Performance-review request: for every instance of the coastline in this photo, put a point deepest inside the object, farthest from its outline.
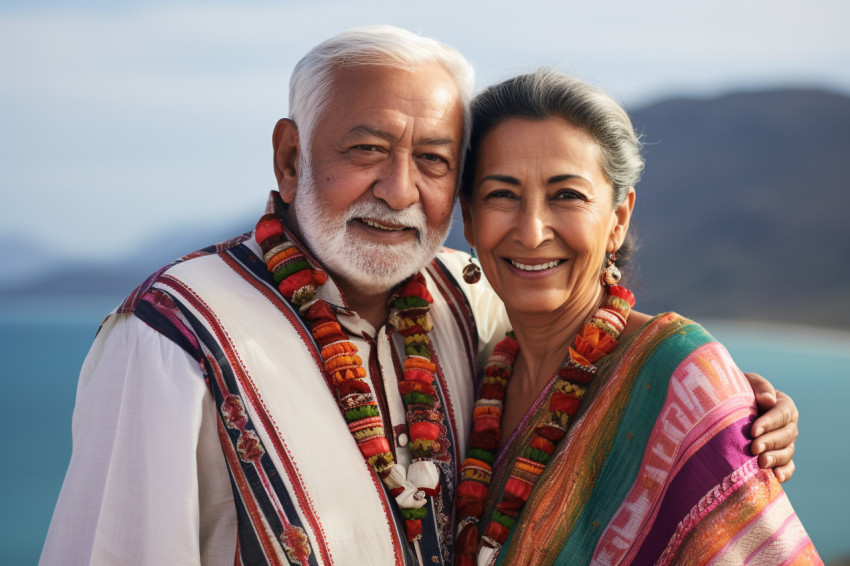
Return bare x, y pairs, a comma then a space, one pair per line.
775, 335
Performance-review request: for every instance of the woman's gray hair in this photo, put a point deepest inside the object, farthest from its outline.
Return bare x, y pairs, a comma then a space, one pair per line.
310, 85
549, 94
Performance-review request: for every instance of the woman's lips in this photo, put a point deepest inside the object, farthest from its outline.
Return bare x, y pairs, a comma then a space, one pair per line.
535, 265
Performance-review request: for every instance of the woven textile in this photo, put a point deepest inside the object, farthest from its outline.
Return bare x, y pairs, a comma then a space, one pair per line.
656, 469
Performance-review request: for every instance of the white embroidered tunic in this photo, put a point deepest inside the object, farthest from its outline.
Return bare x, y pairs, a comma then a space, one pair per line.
148, 481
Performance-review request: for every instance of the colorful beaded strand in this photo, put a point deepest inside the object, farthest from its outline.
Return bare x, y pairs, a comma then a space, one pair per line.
298, 282
595, 340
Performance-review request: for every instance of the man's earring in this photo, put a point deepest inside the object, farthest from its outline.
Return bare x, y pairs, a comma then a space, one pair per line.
611, 275
471, 271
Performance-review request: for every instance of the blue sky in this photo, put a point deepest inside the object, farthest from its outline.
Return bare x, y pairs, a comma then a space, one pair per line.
120, 120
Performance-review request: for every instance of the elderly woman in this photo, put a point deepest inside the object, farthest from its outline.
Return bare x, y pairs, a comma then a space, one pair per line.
601, 434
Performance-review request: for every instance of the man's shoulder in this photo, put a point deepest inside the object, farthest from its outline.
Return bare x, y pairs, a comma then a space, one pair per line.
452, 262
447, 267
185, 262
488, 313
452, 255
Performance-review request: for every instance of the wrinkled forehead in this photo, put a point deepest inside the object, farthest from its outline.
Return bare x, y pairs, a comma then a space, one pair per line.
418, 81
377, 95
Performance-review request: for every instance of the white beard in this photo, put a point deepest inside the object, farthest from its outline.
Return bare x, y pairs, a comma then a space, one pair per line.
370, 266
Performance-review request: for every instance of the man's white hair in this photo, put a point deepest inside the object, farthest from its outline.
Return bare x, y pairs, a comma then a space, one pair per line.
310, 85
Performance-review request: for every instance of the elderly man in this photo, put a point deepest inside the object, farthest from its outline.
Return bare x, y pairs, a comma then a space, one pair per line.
301, 394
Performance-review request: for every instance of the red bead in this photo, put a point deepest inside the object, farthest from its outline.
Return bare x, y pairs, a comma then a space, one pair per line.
426, 430
466, 546
374, 446
564, 403
413, 528
267, 228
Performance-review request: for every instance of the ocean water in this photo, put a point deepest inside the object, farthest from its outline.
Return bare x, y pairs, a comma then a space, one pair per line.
41, 360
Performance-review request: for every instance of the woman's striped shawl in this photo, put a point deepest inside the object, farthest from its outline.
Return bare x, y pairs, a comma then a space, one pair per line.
656, 469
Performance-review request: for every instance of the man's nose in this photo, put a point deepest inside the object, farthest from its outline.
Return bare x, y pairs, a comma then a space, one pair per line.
397, 185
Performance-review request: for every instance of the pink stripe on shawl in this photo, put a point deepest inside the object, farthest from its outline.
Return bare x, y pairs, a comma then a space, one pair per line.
755, 523
762, 554
707, 382
804, 543
704, 483
749, 528
776, 534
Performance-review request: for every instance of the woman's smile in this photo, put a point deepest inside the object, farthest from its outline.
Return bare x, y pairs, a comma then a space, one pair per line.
534, 268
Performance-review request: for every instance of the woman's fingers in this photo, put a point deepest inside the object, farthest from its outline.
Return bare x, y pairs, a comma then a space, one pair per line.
780, 414
763, 390
782, 471
775, 431
775, 440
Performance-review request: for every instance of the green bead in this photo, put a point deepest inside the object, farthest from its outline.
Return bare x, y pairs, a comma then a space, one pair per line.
504, 520
483, 455
537, 455
362, 412
417, 397
404, 303
412, 514
289, 268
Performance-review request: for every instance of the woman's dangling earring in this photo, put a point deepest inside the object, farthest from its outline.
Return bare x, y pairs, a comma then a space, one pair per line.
471, 271
611, 274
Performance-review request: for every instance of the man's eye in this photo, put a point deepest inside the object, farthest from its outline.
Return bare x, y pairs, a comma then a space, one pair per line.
434, 164
367, 147
434, 157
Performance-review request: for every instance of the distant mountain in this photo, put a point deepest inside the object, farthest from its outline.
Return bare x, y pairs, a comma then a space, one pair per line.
743, 210
21, 259
57, 278
742, 213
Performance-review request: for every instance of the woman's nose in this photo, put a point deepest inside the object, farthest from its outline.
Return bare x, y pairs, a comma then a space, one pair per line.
532, 226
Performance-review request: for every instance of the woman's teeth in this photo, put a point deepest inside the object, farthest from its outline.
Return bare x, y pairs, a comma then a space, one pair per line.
536, 266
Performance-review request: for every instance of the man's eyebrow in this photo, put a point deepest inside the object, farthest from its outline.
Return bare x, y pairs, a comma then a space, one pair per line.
372, 131
388, 137
436, 141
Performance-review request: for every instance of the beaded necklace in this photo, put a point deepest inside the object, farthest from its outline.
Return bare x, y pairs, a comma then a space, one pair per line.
298, 281
593, 342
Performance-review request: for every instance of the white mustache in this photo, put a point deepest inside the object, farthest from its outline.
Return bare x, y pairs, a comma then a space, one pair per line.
411, 217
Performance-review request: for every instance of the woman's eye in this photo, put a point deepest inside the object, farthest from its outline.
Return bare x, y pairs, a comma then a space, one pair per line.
569, 194
500, 194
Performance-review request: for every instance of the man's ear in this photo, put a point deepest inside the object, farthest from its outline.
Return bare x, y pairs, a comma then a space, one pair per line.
623, 215
286, 146
467, 221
